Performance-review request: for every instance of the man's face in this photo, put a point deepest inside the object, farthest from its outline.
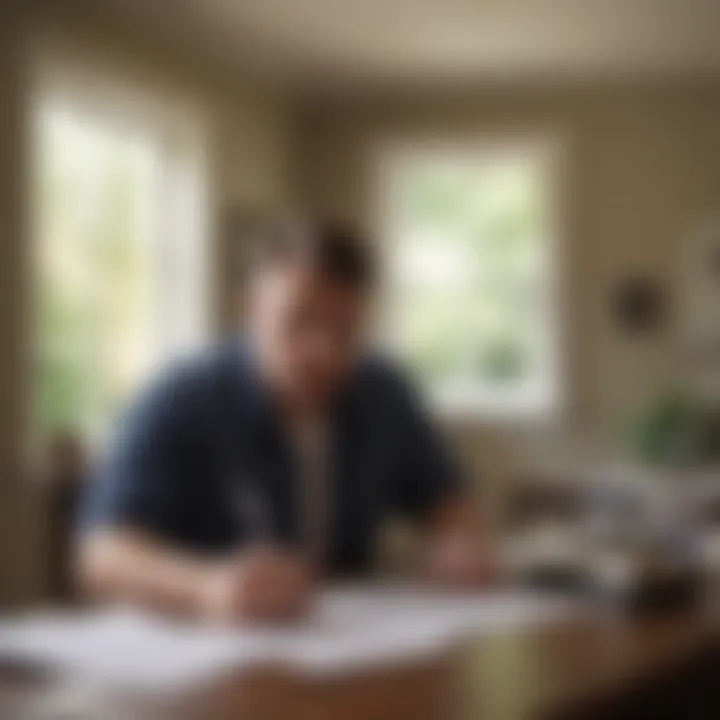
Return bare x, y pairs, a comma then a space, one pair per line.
308, 328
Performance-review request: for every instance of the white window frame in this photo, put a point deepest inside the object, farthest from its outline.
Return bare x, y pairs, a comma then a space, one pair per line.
474, 401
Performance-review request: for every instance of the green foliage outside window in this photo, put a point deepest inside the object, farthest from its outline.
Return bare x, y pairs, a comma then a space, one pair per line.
92, 253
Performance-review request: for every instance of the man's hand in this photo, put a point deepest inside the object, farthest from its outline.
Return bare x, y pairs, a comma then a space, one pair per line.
457, 561
454, 554
259, 584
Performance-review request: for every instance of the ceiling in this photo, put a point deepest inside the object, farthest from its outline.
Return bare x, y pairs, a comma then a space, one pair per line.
354, 42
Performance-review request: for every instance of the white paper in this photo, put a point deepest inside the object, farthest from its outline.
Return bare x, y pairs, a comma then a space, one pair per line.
350, 627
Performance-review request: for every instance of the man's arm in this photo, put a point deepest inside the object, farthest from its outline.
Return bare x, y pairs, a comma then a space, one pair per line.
129, 549
430, 491
130, 566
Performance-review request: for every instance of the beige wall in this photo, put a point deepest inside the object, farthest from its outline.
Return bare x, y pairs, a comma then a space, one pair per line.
15, 510
247, 136
642, 169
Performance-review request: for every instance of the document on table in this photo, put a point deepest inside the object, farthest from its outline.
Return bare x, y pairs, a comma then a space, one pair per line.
350, 627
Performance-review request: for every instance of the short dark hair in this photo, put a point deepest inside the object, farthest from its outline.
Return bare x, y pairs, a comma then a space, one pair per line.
332, 248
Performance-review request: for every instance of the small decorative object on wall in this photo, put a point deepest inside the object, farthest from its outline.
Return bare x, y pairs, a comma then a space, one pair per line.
638, 305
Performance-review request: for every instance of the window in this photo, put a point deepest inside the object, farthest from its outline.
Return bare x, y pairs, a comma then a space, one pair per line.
119, 228
470, 240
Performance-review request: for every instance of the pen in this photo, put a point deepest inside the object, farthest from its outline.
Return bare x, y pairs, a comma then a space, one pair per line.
252, 513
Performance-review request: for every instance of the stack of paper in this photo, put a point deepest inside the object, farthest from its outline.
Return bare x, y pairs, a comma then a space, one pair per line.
350, 627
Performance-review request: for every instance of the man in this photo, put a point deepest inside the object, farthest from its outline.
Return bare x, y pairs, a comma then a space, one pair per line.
246, 474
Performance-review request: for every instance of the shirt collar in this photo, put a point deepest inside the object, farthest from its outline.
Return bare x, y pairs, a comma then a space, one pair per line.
251, 391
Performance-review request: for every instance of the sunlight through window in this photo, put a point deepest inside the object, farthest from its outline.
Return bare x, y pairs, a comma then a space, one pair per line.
470, 241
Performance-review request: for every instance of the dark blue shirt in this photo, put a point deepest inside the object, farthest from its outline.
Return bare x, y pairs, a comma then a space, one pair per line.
205, 439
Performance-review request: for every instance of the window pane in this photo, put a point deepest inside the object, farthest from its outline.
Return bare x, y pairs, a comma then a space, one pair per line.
470, 272
104, 194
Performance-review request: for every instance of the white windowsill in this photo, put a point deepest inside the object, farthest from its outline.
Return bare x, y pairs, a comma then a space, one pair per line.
479, 404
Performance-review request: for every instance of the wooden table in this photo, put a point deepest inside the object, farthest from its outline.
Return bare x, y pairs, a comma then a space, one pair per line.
568, 669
